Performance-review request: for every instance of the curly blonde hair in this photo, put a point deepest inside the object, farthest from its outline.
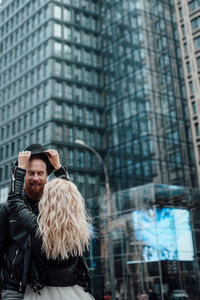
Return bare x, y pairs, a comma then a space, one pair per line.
63, 221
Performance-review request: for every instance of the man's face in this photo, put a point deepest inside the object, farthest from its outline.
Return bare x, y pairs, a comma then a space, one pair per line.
35, 178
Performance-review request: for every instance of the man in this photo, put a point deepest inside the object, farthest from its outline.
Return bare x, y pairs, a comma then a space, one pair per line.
13, 239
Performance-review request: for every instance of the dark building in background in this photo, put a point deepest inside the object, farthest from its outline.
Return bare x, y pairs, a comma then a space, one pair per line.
149, 132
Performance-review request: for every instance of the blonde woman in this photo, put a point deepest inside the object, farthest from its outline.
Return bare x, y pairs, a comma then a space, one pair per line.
57, 240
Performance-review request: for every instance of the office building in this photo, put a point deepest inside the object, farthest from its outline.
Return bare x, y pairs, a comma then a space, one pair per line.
149, 132
188, 16
108, 73
51, 84
155, 236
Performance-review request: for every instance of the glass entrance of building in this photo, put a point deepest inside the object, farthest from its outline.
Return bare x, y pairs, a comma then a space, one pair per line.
155, 244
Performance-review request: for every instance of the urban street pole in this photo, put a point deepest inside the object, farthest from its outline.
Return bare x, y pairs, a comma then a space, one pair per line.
109, 211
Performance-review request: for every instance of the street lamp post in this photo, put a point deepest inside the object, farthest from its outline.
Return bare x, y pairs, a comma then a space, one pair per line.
109, 211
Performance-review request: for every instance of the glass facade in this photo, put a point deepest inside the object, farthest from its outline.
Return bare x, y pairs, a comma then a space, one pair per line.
155, 236
51, 83
108, 73
148, 130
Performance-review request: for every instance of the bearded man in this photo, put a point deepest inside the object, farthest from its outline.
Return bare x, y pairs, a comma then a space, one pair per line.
13, 239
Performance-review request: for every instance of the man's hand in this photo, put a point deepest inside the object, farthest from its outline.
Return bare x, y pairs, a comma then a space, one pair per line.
23, 159
54, 158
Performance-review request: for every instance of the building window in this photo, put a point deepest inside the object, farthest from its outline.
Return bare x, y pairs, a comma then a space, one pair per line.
57, 68
98, 118
6, 172
57, 12
90, 138
199, 151
68, 71
197, 129
96, 79
77, 54
19, 125
71, 158
88, 96
186, 48
46, 111
58, 132
32, 138
194, 4
198, 62
57, 30
91, 161
183, 29
69, 112
1, 153
57, 48
66, 15
77, 73
70, 135
46, 133
188, 67
194, 107
79, 134
77, 36
197, 42
80, 159
67, 33
13, 127
89, 117
78, 94
87, 57
67, 51
180, 12
68, 91
191, 86
58, 89
13, 148
58, 110
39, 136
196, 22
19, 144
79, 115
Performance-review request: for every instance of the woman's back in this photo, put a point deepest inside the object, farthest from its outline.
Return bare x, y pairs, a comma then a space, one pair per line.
58, 238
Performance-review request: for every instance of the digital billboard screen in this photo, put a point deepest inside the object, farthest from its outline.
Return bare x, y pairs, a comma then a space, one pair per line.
164, 234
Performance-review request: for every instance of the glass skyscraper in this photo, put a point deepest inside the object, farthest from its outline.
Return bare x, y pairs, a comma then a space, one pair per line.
51, 84
149, 132
106, 72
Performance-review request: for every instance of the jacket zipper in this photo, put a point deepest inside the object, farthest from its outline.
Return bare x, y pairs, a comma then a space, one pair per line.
13, 262
13, 180
29, 242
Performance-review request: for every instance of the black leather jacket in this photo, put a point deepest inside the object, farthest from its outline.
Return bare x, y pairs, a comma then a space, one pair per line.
15, 260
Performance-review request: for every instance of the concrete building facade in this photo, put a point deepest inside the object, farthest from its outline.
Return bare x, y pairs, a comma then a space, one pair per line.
188, 16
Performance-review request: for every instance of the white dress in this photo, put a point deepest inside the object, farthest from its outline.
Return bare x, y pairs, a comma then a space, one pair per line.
75, 292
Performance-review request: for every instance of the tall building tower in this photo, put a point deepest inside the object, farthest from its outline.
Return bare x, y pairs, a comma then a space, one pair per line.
188, 15
149, 135
51, 84
106, 72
